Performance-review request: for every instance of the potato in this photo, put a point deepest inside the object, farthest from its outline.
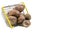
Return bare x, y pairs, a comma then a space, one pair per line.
14, 13
20, 7
21, 18
26, 23
13, 20
27, 16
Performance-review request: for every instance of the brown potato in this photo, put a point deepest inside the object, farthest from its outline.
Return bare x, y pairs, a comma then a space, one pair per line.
27, 16
26, 23
13, 20
20, 7
21, 18
14, 13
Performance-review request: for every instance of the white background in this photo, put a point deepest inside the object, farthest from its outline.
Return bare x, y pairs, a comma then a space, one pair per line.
45, 22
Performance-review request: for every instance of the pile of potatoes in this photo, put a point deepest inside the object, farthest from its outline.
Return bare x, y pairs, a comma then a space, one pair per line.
16, 16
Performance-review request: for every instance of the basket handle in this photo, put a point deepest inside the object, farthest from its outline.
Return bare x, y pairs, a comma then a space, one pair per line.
25, 7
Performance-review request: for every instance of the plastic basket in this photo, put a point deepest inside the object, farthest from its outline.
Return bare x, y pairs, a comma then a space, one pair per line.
5, 9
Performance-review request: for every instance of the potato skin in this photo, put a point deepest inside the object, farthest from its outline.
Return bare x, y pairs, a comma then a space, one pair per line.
13, 20
14, 13
20, 7
26, 23
21, 19
27, 16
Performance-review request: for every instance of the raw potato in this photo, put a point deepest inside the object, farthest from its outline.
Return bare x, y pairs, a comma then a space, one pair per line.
13, 20
26, 23
18, 17
20, 7
27, 16
14, 13
21, 18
